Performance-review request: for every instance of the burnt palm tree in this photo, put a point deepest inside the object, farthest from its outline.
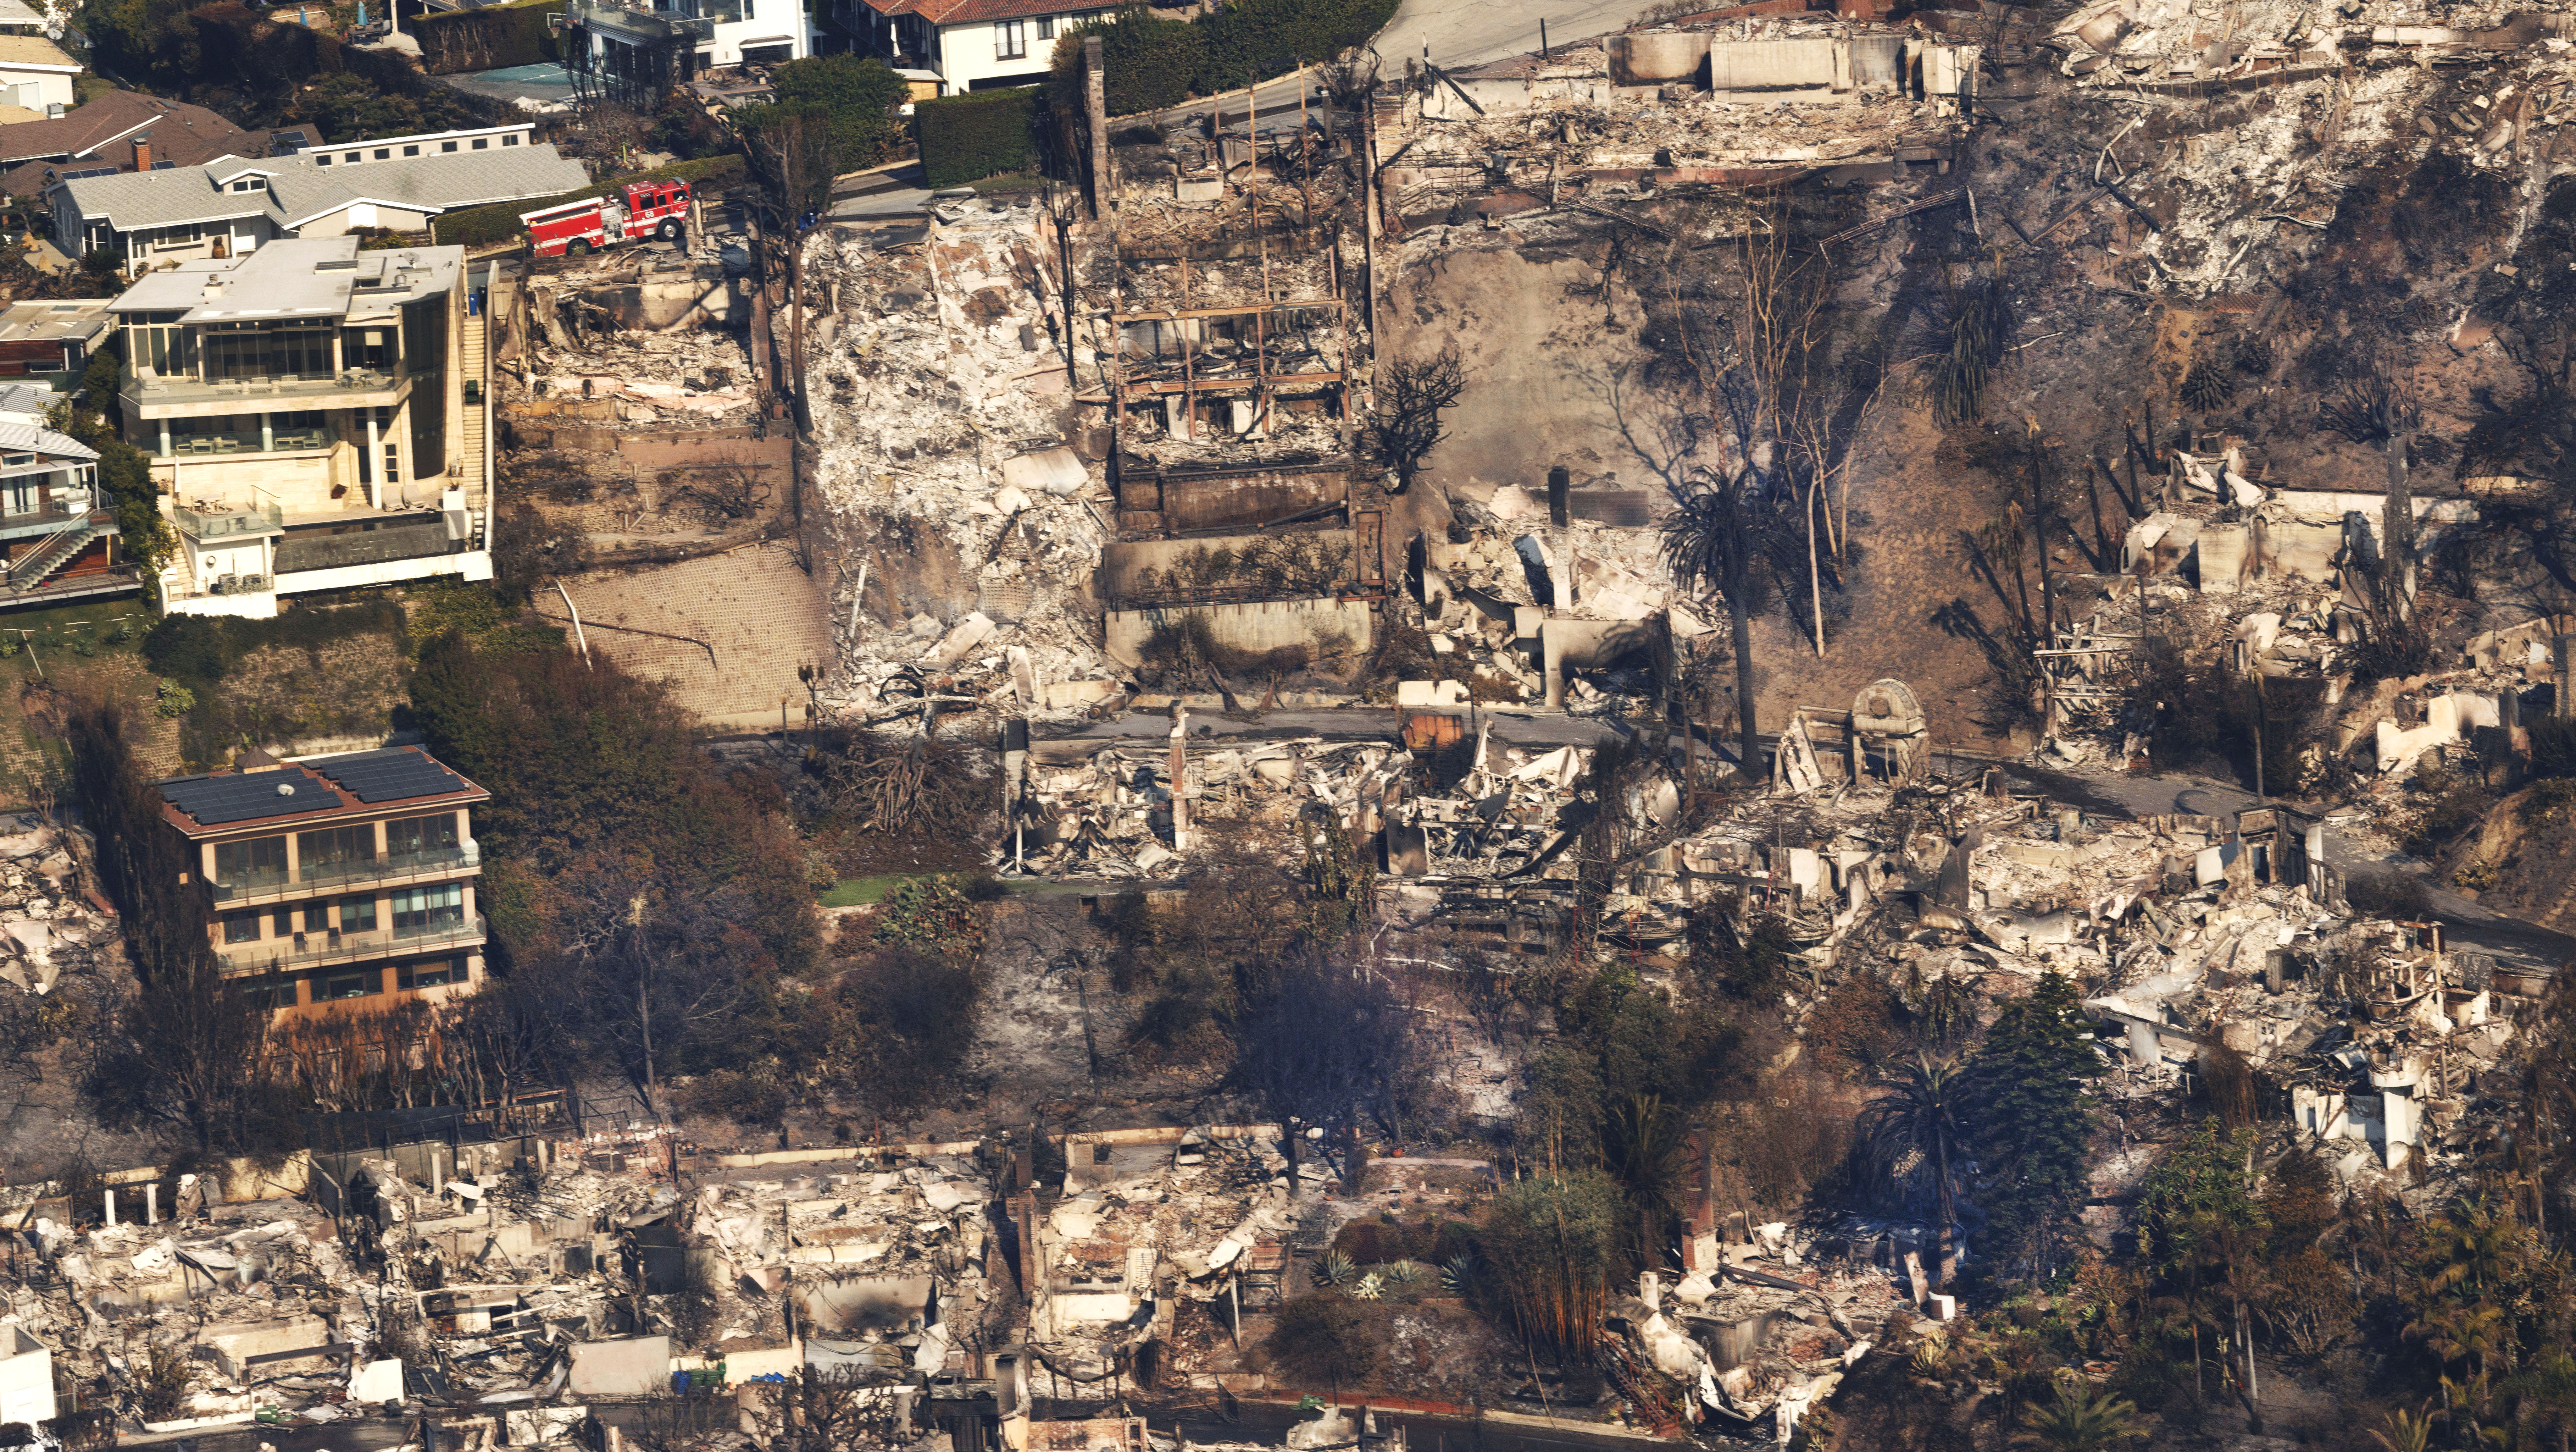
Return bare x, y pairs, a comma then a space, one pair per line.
1920, 1120
1714, 542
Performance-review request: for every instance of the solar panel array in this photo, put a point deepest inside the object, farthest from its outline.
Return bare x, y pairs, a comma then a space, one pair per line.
244, 796
388, 776
85, 171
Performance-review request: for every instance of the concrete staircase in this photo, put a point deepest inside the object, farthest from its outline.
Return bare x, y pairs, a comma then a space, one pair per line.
476, 355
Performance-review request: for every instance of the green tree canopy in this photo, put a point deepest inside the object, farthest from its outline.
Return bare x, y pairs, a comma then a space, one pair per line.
2032, 1119
857, 94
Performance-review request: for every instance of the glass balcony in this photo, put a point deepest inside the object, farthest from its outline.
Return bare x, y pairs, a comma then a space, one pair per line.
219, 522
306, 950
318, 876
216, 443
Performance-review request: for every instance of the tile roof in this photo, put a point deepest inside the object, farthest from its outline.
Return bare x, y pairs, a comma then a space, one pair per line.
299, 191
968, 12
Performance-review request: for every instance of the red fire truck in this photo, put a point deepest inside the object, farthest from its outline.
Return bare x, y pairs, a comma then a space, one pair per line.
641, 209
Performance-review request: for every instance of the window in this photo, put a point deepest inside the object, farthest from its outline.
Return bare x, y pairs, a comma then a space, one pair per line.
317, 917
321, 158
267, 352
445, 147
411, 151
1010, 40
241, 927
1046, 27
434, 974
348, 985
423, 910
384, 153
21, 494
357, 915
482, 143
349, 156
271, 996
414, 835
321, 854
510, 140
257, 863
286, 922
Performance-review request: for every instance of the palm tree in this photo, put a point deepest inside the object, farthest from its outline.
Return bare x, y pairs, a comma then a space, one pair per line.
2193, 1308
1713, 542
2473, 1246
1642, 1147
1922, 1115
2080, 1420
2407, 1431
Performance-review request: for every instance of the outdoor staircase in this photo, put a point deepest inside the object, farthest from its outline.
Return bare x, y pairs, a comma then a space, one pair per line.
476, 352
59, 550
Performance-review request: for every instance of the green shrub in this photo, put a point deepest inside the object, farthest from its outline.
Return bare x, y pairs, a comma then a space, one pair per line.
482, 226
859, 94
932, 914
1146, 64
1150, 63
970, 137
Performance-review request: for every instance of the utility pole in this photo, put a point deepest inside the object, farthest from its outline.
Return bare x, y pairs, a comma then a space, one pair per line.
1096, 101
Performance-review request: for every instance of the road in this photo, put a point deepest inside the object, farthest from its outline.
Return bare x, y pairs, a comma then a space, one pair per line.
2507, 939
1472, 32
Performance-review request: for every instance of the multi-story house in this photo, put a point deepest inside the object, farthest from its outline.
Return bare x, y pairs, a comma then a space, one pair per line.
971, 45
633, 52
337, 883
58, 541
315, 417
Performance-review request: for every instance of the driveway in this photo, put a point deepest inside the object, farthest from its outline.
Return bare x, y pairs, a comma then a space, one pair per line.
1472, 32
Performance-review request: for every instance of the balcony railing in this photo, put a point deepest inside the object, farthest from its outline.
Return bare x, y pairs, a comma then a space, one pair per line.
153, 391
220, 523
245, 441
242, 959
316, 876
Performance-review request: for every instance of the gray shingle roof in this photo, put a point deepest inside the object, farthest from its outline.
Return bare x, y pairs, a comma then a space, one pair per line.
300, 191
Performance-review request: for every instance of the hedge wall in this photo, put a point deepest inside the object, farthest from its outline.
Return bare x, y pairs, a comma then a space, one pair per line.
485, 40
970, 137
482, 226
1149, 63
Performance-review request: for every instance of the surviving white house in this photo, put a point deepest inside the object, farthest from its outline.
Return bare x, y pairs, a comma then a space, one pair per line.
35, 73
233, 204
971, 45
634, 53
315, 417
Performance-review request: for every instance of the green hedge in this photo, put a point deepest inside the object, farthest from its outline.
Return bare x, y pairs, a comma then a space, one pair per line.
1150, 63
485, 40
481, 226
970, 137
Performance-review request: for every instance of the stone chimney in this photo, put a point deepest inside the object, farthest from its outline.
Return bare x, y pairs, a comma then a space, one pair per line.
143, 151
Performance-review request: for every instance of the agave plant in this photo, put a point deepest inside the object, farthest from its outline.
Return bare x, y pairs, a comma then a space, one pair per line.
1334, 1269
1404, 1272
1931, 1356
1458, 1277
1371, 1287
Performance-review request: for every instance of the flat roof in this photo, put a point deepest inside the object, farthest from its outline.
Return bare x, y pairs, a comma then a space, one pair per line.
34, 52
56, 320
295, 277
362, 783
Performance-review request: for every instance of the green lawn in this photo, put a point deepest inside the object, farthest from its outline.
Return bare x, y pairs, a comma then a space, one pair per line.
854, 891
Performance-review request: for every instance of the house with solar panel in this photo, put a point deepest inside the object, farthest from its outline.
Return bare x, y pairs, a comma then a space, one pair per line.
338, 883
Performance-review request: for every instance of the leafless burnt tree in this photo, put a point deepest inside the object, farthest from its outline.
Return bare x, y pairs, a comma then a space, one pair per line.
1408, 426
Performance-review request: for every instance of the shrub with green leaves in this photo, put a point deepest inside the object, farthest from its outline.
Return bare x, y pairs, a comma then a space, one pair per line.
969, 137
933, 914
